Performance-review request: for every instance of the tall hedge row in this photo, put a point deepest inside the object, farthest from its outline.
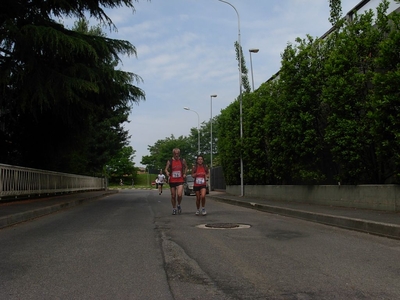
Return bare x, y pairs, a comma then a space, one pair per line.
331, 115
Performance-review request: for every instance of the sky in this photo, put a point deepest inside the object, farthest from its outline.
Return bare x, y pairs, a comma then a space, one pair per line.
185, 54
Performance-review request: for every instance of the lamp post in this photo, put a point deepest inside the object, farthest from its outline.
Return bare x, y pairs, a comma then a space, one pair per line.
198, 128
211, 140
240, 100
251, 65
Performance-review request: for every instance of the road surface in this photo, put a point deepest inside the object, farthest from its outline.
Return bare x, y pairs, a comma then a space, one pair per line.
129, 246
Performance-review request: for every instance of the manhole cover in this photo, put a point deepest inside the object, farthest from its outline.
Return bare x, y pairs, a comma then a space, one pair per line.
223, 226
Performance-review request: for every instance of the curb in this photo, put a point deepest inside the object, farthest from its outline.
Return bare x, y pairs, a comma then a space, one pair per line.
40, 212
376, 228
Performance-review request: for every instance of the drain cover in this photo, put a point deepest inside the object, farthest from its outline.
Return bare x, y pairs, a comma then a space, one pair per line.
223, 226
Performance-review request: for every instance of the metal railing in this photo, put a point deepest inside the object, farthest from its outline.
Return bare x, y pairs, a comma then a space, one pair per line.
19, 181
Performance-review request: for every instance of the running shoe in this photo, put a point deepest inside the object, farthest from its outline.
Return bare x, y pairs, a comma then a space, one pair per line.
179, 209
203, 212
174, 211
197, 212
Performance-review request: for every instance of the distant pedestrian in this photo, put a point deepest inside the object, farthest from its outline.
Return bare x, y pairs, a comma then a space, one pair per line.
200, 174
161, 180
175, 170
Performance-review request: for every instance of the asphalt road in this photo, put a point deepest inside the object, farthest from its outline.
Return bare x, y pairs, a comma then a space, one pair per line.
129, 246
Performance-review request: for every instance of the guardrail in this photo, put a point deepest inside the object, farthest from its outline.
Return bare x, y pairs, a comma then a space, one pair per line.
18, 181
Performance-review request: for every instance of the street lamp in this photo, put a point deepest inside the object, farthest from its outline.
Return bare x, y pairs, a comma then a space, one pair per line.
198, 128
251, 65
240, 100
211, 139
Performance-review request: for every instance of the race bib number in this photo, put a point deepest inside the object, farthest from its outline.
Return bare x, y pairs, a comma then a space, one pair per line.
200, 180
176, 174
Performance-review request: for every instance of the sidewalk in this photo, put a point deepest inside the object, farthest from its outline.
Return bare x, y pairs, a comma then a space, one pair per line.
381, 223
13, 212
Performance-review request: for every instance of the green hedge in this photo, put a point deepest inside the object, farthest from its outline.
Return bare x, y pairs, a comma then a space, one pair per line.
331, 115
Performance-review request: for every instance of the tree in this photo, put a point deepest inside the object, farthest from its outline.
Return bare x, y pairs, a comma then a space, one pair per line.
229, 144
385, 113
330, 115
255, 153
335, 11
57, 85
122, 164
206, 140
349, 68
161, 151
300, 144
245, 78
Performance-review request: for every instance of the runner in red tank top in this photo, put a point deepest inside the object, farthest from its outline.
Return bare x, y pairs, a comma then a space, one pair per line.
200, 174
176, 171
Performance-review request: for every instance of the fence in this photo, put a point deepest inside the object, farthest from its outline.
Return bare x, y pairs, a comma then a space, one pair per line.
19, 181
217, 179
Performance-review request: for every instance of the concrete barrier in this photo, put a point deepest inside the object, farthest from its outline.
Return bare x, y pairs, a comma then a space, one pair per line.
376, 197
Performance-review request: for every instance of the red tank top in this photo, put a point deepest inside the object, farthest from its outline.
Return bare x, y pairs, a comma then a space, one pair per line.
200, 179
176, 175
